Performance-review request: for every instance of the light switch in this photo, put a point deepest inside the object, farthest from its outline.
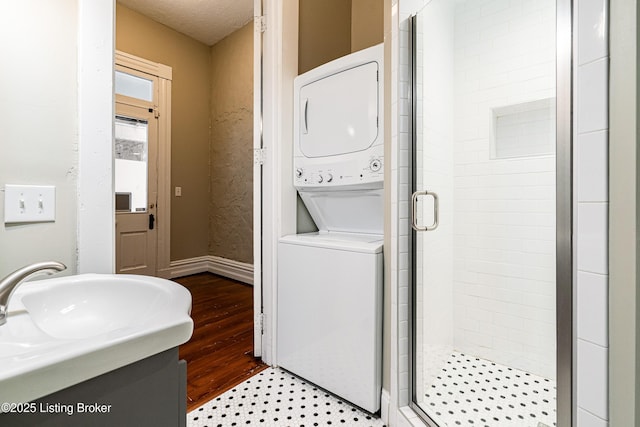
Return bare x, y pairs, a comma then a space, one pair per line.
178, 191
29, 203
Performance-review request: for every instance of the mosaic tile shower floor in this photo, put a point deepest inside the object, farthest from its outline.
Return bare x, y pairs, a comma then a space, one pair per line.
470, 391
276, 398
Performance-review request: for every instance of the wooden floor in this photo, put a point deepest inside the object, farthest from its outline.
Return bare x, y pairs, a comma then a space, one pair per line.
220, 353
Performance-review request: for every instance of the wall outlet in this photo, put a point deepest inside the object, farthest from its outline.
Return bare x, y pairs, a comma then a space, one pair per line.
178, 191
29, 203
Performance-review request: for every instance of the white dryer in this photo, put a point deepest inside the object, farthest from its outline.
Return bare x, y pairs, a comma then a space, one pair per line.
330, 282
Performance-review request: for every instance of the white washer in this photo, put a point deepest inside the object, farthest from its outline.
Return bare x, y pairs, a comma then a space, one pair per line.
329, 313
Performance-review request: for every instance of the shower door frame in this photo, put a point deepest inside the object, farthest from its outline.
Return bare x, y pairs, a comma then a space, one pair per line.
565, 268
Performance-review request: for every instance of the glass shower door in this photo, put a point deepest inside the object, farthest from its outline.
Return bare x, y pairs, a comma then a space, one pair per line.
483, 206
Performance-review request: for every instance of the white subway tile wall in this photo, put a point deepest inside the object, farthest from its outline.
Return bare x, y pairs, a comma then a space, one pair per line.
592, 378
592, 152
592, 301
504, 208
591, 30
591, 58
592, 105
586, 419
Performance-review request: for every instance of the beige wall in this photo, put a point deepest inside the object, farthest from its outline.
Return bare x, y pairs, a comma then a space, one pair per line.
366, 23
324, 32
39, 125
189, 59
329, 29
230, 211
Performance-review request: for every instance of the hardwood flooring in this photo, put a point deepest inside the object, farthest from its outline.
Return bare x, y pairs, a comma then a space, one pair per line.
220, 353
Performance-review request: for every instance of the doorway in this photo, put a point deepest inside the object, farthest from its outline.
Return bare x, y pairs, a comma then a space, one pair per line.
211, 160
486, 340
141, 157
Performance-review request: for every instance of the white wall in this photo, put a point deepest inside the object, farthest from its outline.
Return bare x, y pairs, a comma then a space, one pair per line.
591, 197
504, 220
38, 124
96, 216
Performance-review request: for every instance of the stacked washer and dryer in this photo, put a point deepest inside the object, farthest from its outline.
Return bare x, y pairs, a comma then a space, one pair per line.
330, 282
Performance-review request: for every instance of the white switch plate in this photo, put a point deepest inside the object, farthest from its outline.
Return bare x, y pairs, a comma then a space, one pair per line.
29, 203
178, 191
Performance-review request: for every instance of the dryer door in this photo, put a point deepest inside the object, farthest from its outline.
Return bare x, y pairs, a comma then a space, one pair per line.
338, 114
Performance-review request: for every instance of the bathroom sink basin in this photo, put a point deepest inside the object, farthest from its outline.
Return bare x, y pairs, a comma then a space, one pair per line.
21, 336
60, 332
88, 309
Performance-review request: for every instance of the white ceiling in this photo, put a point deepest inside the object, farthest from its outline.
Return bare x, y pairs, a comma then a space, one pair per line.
208, 21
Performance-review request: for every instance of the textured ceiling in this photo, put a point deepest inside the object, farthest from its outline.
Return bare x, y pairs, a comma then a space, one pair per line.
208, 21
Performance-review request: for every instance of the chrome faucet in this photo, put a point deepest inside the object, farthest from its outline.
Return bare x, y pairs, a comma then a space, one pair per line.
13, 280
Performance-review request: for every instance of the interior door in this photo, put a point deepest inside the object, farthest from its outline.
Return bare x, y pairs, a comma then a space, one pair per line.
257, 179
136, 154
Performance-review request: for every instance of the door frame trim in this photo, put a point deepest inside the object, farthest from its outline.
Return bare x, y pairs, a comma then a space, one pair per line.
566, 321
164, 74
258, 161
95, 210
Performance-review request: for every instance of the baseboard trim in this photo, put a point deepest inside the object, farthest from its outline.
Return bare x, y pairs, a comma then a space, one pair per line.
229, 268
237, 270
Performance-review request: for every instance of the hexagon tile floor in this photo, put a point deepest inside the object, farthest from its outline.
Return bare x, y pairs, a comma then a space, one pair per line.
276, 398
470, 391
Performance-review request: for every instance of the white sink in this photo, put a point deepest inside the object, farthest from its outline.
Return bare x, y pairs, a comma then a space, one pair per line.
20, 337
63, 331
83, 309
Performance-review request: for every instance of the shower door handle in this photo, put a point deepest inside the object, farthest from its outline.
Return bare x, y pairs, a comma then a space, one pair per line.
414, 211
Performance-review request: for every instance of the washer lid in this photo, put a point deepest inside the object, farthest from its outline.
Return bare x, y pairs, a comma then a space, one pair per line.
350, 242
346, 211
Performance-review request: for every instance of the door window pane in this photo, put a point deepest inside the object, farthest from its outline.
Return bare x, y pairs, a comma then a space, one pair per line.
131, 149
134, 86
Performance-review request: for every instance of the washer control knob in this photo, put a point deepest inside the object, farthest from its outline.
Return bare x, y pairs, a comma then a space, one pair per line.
299, 173
320, 179
375, 165
329, 177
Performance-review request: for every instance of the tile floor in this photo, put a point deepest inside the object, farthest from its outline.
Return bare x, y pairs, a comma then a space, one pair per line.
476, 392
276, 398
468, 392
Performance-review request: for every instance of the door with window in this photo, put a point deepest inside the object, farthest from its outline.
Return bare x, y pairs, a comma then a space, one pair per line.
136, 173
